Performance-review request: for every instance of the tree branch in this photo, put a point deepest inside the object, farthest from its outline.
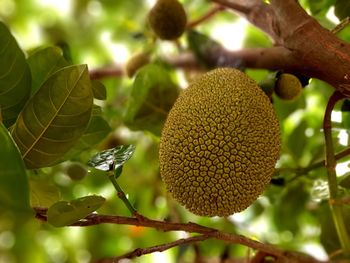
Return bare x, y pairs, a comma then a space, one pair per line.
95, 219
205, 17
108, 71
315, 51
159, 248
335, 205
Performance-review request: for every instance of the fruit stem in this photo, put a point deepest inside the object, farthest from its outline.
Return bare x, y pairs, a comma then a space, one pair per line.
121, 193
334, 201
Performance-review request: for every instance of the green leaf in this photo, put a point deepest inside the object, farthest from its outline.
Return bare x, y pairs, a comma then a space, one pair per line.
289, 206
55, 117
15, 78
43, 63
345, 182
65, 213
152, 96
297, 140
99, 90
14, 191
43, 194
97, 130
342, 9
320, 6
202, 45
329, 238
115, 157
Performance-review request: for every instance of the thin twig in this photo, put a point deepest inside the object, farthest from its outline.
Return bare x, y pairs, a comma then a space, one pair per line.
240, 8
159, 248
205, 17
305, 170
343, 24
120, 193
105, 72
336, 207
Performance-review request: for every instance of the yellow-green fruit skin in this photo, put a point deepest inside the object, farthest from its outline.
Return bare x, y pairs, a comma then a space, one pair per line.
168, 19
288, 87
220, 144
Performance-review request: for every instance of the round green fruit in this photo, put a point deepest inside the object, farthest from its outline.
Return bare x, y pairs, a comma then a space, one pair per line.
76, 171
220, 144
167, 19
288, 87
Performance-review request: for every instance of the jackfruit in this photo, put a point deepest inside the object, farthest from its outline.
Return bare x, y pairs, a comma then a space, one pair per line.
167, 19
288, 87
76, 171
219, 144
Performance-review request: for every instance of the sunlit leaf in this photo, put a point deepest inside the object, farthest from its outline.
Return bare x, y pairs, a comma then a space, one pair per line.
15, 78
14, 192
112, 158
153, 94
43, 194
55, 117
320, 190
99, 90
44, 63
65, 213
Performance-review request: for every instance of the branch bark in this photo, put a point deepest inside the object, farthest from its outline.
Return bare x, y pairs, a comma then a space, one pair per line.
206, 233
314, 51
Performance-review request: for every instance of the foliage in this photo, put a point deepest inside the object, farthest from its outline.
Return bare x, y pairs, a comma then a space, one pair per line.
54, 114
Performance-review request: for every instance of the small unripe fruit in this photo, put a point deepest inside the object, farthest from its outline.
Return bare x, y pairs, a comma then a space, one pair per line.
135, 62
76, 171
288, 87
167, 19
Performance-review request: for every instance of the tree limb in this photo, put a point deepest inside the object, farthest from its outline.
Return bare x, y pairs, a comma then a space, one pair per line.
96, 219
159, 248
318, 53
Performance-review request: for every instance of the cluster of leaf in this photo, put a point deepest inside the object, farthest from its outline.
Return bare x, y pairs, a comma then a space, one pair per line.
47, 114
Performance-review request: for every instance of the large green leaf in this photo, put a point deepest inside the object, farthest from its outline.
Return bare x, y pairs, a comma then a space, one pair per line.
44, 63
55, 117
153, 94
14, 193
96, 131
65, 213
15, 79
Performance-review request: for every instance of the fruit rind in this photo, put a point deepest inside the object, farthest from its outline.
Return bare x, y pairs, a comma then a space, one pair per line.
288, 87
168, 19
220, 144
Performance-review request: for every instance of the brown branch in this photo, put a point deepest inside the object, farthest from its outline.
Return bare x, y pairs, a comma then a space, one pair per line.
273, 58
159, 248
315, 51
95, 219
238, 7
205, 17
107, 72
